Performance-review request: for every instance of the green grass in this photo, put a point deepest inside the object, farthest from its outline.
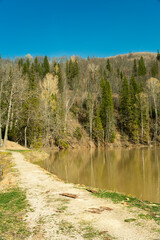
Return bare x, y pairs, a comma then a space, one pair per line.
21, 151
13, 206
84, 229
130, 220
152, 209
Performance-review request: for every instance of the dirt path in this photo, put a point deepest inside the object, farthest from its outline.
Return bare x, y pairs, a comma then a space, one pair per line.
53, 216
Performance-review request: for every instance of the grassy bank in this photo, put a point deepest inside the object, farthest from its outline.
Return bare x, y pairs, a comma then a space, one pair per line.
13, 203
13, 207
152, 210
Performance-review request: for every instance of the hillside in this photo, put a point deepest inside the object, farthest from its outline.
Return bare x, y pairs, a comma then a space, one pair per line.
78, 102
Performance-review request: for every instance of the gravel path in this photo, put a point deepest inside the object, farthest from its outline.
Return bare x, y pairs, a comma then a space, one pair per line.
53, 216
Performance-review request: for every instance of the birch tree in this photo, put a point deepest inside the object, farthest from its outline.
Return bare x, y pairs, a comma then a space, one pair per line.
153, 86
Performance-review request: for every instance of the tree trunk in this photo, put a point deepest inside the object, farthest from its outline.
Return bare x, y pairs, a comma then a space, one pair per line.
8, 117
156, 115
141, 120
1, 115
25, 137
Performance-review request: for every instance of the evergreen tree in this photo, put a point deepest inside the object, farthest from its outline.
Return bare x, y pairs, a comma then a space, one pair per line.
20, 63
135, 68
108, 66
98, 133
121, 75
134, 111
118, 72
140, 86
46, 67
28, 63
144, 118
57, 71
26, 67
154, 69
125, 105
158, 55
106, 111
141, 67
31, 112
72, 72
38, 67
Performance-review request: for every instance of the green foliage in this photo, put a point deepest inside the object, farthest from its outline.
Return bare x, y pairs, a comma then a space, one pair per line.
61, 143
158, 55
72, 73
25, 68
106, 110
121, 75
141, 67
125, 104
134, 111
108, 66
40, 114
37, 67
58, 73
20, 63
46, 67
144, 118
98, 133
135, 70
154, 69
77, 133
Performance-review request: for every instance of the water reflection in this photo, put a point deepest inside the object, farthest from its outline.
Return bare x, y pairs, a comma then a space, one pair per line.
135, 171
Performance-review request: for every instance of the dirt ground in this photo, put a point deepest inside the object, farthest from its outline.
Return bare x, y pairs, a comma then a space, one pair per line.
13, 146
53, 216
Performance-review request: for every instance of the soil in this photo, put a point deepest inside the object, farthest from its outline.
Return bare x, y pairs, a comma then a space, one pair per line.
14, 146
54, 215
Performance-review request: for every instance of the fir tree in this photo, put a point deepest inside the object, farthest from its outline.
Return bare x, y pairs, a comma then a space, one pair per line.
20, 63
25, 69
31, 111
125, 105
141, 67
98, 133
144, 118
72, 72
57, 71
134, 111
135, 68
154, 69
108, 66
118, 72
106, 110
46, 67
121, 75
158, 55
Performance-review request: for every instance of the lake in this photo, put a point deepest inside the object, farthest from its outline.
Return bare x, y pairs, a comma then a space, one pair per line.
129, 171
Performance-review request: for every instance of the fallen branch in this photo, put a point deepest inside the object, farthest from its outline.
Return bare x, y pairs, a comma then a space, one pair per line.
68, 195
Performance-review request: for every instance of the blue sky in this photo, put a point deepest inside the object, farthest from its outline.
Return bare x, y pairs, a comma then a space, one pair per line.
81, 27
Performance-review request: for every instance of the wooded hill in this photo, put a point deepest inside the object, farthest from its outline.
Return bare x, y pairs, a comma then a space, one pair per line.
40, 97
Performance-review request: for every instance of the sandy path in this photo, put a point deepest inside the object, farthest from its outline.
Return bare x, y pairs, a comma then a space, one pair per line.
56, 217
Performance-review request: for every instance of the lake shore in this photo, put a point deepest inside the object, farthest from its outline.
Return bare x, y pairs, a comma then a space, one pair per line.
53, 216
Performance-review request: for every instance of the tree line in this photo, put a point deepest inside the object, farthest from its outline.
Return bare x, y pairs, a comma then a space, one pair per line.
39, 95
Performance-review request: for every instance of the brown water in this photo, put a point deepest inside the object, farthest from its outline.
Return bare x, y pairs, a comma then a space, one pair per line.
135, 171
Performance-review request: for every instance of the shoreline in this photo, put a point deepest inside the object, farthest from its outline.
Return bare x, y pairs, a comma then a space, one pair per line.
89, 216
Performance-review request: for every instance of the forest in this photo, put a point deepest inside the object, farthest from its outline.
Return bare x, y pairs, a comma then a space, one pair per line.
51, 101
